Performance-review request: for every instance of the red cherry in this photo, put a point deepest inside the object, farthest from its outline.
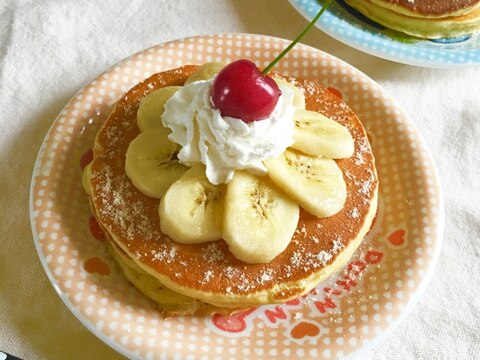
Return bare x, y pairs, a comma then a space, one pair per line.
241, 91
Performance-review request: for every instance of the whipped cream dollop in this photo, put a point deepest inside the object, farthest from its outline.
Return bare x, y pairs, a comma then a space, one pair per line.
225, 144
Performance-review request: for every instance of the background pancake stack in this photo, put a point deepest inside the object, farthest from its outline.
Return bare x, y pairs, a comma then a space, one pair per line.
431, 19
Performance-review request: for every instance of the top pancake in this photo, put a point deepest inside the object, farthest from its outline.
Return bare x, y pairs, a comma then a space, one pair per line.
429, 8
209, 271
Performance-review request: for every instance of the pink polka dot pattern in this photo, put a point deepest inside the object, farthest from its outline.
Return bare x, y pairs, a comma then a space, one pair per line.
340, 317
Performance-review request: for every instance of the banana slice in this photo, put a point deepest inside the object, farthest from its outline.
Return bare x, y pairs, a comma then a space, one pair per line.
259, 221
316, 184
318, 135
192, 209
151, 163
149, 114
205, 72
298, 97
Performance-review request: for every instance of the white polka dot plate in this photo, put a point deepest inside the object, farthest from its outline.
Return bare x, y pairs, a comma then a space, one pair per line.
342, 317
347, 25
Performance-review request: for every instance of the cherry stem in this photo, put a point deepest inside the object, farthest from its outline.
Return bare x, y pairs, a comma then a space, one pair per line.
294, 42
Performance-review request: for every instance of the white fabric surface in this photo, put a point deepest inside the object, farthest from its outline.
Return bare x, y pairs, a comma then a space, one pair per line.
49, 49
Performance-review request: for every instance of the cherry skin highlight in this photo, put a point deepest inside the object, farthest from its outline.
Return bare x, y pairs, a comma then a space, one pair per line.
241, 91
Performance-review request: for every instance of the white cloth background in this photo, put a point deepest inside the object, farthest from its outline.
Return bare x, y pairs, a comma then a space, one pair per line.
49, 49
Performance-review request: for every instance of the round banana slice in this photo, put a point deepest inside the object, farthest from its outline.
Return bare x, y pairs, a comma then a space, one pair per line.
205, 72
298, 97
149, 114
151, 163
192, 209
315, 134
316, 184
259, 221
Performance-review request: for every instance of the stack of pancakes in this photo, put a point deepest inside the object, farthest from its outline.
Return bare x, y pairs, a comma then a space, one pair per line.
431, 19
206, 278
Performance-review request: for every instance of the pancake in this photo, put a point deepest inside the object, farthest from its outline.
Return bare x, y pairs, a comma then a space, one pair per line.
434, 25
208, 272
171, 303
429, 8
413, 24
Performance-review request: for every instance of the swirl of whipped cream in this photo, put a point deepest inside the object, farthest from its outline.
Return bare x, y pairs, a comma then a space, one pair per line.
225, 144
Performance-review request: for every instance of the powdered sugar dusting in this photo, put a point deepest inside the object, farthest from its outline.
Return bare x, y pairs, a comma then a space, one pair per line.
212, 253
348, 175
265, 276
243, 284
308, 259
364, 187
359, 159
118, 205
231, 272
112, 136
337, 245
354, 214
319, 259
207, 276
363, 146
287, 271
296, 259
164, 254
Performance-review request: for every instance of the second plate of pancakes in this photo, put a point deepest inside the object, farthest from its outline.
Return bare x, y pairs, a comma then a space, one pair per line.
348, 25
344, 315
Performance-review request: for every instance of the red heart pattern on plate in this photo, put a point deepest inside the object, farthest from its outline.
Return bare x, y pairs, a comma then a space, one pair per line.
397, 238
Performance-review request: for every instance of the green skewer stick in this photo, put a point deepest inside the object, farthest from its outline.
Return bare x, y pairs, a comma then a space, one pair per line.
294, 42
